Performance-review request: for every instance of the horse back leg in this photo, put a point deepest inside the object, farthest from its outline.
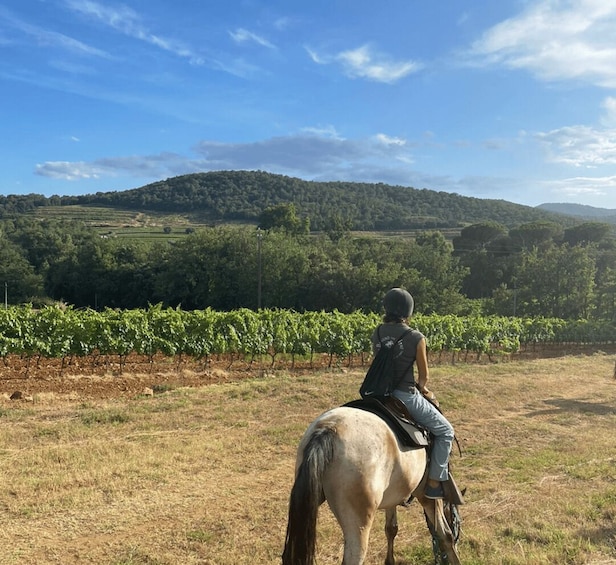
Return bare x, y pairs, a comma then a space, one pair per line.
355, 518
391, 531
356, 539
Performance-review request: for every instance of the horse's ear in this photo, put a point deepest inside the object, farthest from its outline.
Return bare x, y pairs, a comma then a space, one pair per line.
464, 491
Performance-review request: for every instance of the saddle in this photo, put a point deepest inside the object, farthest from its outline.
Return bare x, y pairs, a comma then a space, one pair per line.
395, 414
408, 432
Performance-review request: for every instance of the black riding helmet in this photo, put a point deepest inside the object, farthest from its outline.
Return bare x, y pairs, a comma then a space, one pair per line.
398, 303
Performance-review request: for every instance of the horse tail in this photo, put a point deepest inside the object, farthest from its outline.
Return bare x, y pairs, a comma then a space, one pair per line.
306, 497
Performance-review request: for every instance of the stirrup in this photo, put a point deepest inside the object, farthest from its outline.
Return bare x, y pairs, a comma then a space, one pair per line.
434, 493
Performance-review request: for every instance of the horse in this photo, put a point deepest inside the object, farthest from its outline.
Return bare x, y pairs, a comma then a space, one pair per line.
352, 459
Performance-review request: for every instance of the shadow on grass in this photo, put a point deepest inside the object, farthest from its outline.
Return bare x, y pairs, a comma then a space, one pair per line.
600, 535
578, 406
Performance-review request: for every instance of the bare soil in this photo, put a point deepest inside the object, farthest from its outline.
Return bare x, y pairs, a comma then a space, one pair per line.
109, 377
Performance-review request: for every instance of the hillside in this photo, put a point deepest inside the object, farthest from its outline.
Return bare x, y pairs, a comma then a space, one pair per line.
582, 211
241, 196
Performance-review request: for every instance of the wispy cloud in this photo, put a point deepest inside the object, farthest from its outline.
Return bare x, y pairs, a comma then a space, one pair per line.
140, 166
556, 40
72, 67
323, 131
48, 38
242, 35
127, 21
365, 62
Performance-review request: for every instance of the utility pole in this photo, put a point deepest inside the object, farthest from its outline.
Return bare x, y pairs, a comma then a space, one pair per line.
259, 238
6, 295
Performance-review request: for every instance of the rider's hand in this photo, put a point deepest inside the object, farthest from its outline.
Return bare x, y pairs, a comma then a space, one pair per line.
430, 396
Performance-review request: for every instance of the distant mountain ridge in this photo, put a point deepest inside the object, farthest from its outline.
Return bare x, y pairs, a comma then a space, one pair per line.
581, 211
242, 196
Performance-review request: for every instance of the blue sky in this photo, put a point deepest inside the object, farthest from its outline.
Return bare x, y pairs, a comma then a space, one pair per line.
506, 99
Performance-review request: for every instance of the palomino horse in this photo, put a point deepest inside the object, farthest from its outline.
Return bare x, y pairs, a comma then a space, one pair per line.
352, 459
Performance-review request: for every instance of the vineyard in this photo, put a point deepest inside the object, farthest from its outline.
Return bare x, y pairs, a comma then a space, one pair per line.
269, 337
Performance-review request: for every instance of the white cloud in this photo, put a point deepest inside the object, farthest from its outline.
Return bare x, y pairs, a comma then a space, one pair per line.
580, 146
363, 62
66, 170
242, 35
581, 187
388, 140
556, 40
609, 105
141, 166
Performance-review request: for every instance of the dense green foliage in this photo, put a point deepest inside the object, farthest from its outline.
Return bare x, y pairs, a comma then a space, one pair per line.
53, 332
537, 269
227, 196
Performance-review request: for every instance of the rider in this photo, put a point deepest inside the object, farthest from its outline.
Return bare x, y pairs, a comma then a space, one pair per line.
419, 401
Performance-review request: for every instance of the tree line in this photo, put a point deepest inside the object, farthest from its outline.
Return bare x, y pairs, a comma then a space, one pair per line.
535, 269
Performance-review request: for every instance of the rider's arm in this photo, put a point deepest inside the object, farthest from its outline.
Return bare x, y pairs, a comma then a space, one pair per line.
421, 360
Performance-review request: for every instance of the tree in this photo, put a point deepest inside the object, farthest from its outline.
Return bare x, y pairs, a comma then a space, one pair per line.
605, 295
558, 282
477, 236
284, 217
338, 227
22, 282
442, 274
535, 234
586, 233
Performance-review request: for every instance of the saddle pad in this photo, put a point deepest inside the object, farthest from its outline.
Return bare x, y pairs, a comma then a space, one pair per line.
407, 432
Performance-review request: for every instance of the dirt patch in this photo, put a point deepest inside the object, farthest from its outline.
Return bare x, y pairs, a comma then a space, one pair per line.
110, 377
105, 377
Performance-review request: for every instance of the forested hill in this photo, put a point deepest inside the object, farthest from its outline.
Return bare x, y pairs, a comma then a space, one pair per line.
586, 213
243, 195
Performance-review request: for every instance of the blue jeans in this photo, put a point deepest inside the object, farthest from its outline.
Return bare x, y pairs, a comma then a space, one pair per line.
426, 415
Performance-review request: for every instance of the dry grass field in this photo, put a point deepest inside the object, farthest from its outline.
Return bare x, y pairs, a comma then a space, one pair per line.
201, 474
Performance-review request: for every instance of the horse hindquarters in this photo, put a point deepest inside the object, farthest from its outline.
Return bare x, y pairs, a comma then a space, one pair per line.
306, 497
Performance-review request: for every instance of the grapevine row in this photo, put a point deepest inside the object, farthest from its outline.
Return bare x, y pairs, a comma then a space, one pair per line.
54, 332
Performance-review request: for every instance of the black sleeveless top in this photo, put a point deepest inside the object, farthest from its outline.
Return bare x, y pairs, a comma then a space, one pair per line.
405, 354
